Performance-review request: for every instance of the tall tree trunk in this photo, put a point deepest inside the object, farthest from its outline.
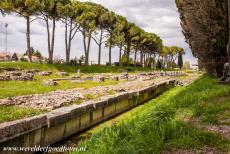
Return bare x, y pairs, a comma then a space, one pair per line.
84, 42
99, 46
110, 49
68, 40
48, 33
141, 57
99, 54
128, 51
28, 39
87, 50
135, 57
120, 55
52, 42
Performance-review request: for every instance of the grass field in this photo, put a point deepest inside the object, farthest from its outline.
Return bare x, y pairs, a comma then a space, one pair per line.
71, 69
10, 113
161, 123
19, 88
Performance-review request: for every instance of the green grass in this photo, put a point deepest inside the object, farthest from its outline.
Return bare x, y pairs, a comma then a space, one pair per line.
71, 69
18, 88
10, 113
159, 124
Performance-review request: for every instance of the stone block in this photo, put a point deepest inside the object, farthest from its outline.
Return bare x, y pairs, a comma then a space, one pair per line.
50, 83
114, 78
97, 116
109, 111
45, 73
122, 106
19, 127
4, 77
99, 79
62, 74
57, 117
72, 126
85, 120
122, 96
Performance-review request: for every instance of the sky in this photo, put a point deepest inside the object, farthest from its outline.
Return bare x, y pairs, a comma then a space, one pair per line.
158, 16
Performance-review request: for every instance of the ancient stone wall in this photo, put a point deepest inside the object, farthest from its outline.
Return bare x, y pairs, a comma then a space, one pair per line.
55, 126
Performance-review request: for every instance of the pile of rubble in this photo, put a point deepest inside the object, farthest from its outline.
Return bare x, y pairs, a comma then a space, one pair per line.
16, 75
8, 74
48, 101
59, 98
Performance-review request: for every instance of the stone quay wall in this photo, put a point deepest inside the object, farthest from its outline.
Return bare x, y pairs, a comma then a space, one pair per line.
52, 127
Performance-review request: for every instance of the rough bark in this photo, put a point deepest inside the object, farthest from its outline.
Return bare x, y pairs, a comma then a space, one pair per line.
110, 50
205, 26
228, 48
68, 40
28, 39
120, 55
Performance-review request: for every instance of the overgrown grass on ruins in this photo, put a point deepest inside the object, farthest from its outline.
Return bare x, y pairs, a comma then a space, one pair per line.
10, 113
165, 123
19, 88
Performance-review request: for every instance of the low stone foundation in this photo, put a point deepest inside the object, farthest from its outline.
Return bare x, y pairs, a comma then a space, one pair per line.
59, 124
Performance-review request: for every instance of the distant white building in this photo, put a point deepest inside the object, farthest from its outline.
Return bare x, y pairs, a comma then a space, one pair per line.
34, 58
195, 66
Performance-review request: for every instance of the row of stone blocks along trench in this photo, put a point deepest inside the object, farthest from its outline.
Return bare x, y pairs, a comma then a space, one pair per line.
52, 127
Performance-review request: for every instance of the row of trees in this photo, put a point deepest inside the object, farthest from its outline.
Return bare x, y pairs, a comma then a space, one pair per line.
95, 23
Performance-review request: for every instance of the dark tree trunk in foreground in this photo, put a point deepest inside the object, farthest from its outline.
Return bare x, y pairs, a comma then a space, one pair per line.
229, 34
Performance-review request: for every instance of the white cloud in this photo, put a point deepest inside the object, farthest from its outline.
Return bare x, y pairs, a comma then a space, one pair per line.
157, 16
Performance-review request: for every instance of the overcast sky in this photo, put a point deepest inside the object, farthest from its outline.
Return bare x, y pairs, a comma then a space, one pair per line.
157, 16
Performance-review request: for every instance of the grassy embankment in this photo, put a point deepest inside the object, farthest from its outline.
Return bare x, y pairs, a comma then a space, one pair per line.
71, 69
161, 123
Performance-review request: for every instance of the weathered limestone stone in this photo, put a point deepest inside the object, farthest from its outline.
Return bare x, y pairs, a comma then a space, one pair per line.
23, 77
100, 103
12, 69
63, 74
77, 81
99, 79
15, 128
143, 74
89, 78
45, 73
124, 76
14, 73
58, 117
4, 77
32, 71
50, 83
75, 77
114, 78
132, 78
